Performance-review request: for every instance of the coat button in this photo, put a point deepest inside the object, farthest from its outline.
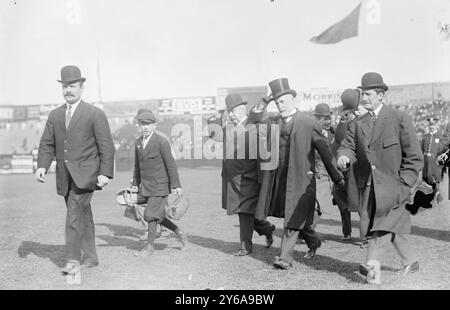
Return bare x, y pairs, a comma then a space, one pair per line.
65, 160
373, 167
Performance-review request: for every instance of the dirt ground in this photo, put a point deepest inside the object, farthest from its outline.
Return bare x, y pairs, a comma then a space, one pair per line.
32, 221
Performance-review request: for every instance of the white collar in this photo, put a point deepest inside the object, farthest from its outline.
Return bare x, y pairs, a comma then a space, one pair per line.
73, 105
376, 112
149, 136
242, 121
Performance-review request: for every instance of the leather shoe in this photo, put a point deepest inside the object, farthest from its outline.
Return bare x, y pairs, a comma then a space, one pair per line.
414, 267
89, 264
269, 237
71, 267
281, 264
310, 254
181, 238
242, 252
364, 269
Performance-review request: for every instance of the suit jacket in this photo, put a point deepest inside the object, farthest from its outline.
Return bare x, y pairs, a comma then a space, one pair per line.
86, 148
387, 155
298, 207
154, 167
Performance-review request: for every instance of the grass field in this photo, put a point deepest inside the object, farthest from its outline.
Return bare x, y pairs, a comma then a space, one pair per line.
32, 221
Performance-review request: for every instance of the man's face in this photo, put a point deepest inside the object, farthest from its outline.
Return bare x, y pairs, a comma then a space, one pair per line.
419, 135
237, 114
147, 128
72, 92
285, 105
433, 124
325, 121
371, 100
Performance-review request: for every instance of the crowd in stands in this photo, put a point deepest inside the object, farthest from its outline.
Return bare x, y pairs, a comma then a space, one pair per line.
23, 137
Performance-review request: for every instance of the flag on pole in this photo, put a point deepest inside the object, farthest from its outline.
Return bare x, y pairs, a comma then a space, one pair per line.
344, 29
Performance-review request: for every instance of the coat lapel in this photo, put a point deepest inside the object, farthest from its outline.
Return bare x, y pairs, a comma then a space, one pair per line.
365, 126
76, 115
379, 124
296, 118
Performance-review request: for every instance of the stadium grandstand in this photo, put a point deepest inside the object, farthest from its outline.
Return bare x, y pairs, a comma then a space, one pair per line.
21, 126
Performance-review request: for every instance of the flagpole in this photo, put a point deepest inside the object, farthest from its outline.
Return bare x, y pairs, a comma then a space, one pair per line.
99, 83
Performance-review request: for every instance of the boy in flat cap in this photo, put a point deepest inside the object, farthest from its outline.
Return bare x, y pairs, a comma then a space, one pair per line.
155, 172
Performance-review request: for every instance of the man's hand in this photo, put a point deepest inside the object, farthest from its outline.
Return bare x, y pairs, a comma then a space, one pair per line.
177, 191
40, 174
343, 163
102, 180
441, 159
341, 184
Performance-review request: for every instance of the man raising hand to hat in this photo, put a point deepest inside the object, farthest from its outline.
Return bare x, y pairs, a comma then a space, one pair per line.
78, 135
289, 191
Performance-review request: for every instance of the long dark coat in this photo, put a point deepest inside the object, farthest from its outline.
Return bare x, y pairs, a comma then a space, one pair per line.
86, 148
240, 186
387, 155
298, 207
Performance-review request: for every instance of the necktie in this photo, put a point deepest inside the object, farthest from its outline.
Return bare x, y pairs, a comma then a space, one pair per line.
68, 115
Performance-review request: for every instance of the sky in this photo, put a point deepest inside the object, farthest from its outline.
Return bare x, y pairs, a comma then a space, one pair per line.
188, 48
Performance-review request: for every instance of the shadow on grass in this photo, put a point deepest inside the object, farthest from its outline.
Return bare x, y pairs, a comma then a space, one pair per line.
259, 252
56, 253
347, 270
441, 235
120, 230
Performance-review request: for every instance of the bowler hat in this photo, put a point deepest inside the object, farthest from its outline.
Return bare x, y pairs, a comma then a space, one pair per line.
322, 109
146, 117
280, 87
350, 99
71, 74
233, 100
371, 80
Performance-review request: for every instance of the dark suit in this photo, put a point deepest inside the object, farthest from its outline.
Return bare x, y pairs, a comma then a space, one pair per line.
388, 159
240, 186
83, 152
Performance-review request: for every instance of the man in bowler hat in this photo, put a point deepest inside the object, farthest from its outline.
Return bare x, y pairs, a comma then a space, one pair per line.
78, 135
289, 191
383, 145
240, 186
155, 172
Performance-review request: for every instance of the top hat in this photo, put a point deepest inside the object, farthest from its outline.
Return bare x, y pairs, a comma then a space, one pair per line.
371, 80
71, 74
233, 100
350, 99
146, 117
280, 87
322, 109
